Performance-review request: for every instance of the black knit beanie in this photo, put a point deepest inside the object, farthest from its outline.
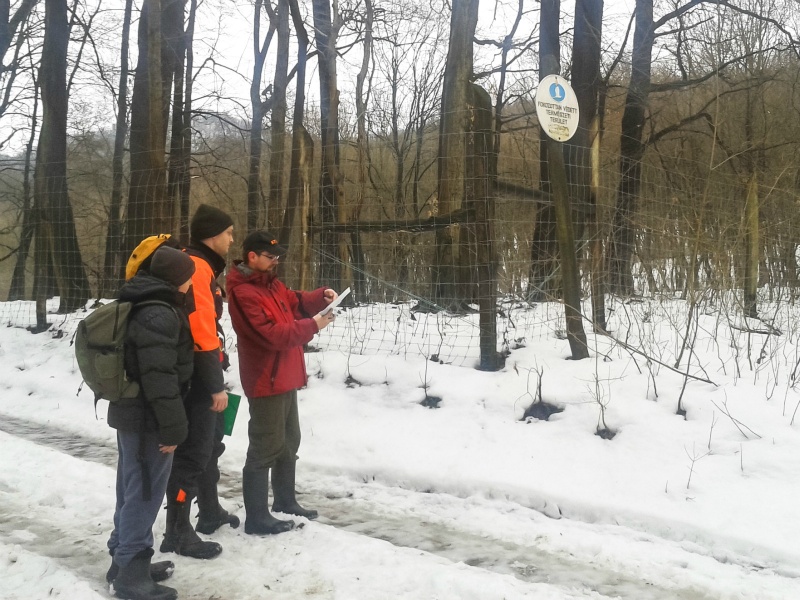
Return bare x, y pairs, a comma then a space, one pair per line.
208, 222
171, 265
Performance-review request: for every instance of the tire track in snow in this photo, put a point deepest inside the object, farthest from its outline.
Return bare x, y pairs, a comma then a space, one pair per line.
527, 562
37, 536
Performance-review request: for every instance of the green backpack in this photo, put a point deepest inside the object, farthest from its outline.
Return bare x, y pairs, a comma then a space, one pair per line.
100, 350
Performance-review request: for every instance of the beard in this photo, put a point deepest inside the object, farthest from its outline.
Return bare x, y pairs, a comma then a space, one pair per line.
271, 270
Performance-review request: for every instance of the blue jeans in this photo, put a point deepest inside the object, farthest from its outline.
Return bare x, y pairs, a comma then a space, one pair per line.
134, 516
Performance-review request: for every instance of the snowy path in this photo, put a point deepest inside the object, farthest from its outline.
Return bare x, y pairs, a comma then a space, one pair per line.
522, 554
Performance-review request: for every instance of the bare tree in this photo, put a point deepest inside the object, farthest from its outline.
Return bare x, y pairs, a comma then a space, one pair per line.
13, 30
186, 123
147, 212
57, 242
570, 275
631, 151
278, 108
448, 275
333, 254
584, 147
511, 49
298, 199
542, 280
176, 75
359, 266
259, 103
16, 290
10, 23
113, 258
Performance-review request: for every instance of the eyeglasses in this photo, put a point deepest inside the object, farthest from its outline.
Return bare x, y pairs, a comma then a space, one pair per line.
269, 256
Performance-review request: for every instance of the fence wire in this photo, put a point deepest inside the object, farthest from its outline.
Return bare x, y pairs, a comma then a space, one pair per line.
399, 243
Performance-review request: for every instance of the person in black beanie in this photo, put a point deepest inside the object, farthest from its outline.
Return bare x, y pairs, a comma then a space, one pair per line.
195, 470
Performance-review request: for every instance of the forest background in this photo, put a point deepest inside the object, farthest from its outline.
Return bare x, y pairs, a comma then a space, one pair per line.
395, 147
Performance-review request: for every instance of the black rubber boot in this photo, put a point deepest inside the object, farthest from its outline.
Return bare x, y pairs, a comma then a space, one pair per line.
181, 537
283, 481
258, 520
133, 582
212, 516
159, 571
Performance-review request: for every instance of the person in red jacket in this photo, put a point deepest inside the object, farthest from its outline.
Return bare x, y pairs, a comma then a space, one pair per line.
272, 324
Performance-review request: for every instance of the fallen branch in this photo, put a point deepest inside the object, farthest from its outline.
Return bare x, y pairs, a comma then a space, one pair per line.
633, 350
735, 421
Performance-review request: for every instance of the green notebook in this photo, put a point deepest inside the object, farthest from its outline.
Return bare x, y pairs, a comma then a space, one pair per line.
230, 413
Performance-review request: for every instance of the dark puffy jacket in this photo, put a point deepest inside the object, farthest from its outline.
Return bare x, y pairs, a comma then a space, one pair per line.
159, 355
272, 324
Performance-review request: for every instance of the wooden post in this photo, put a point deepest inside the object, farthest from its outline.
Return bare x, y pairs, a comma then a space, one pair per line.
570, 275
480, 196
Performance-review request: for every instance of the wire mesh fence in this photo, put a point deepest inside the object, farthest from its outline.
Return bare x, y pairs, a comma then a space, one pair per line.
419, 264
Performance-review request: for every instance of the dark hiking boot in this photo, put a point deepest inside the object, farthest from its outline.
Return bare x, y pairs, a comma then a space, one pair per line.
211, 516
133, 581
258, 520
181, 537
283, 482
159, 571
209, 524
296, 510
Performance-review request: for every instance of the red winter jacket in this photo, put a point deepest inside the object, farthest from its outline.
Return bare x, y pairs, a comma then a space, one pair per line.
272, 323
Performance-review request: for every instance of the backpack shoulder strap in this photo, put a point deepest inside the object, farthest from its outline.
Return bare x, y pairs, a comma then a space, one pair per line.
143, 303
152, 303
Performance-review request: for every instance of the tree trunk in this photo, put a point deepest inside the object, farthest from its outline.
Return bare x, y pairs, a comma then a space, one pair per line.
621, 245
751, 239
581, 149
419, 137
570, 274
305, 153
277, 156
17, 289
543, 281
401, 245
448, 278
186, 154
331, 198
147, 212
585, 83
302, 153
175, 61
113, 259
9, 24
360, 285
258, 106
56, 224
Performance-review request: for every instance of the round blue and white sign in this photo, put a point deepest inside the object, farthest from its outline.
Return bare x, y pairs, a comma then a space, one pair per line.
557, 92
557, 108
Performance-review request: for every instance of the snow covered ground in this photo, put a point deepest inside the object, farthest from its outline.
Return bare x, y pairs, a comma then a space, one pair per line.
463, 501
